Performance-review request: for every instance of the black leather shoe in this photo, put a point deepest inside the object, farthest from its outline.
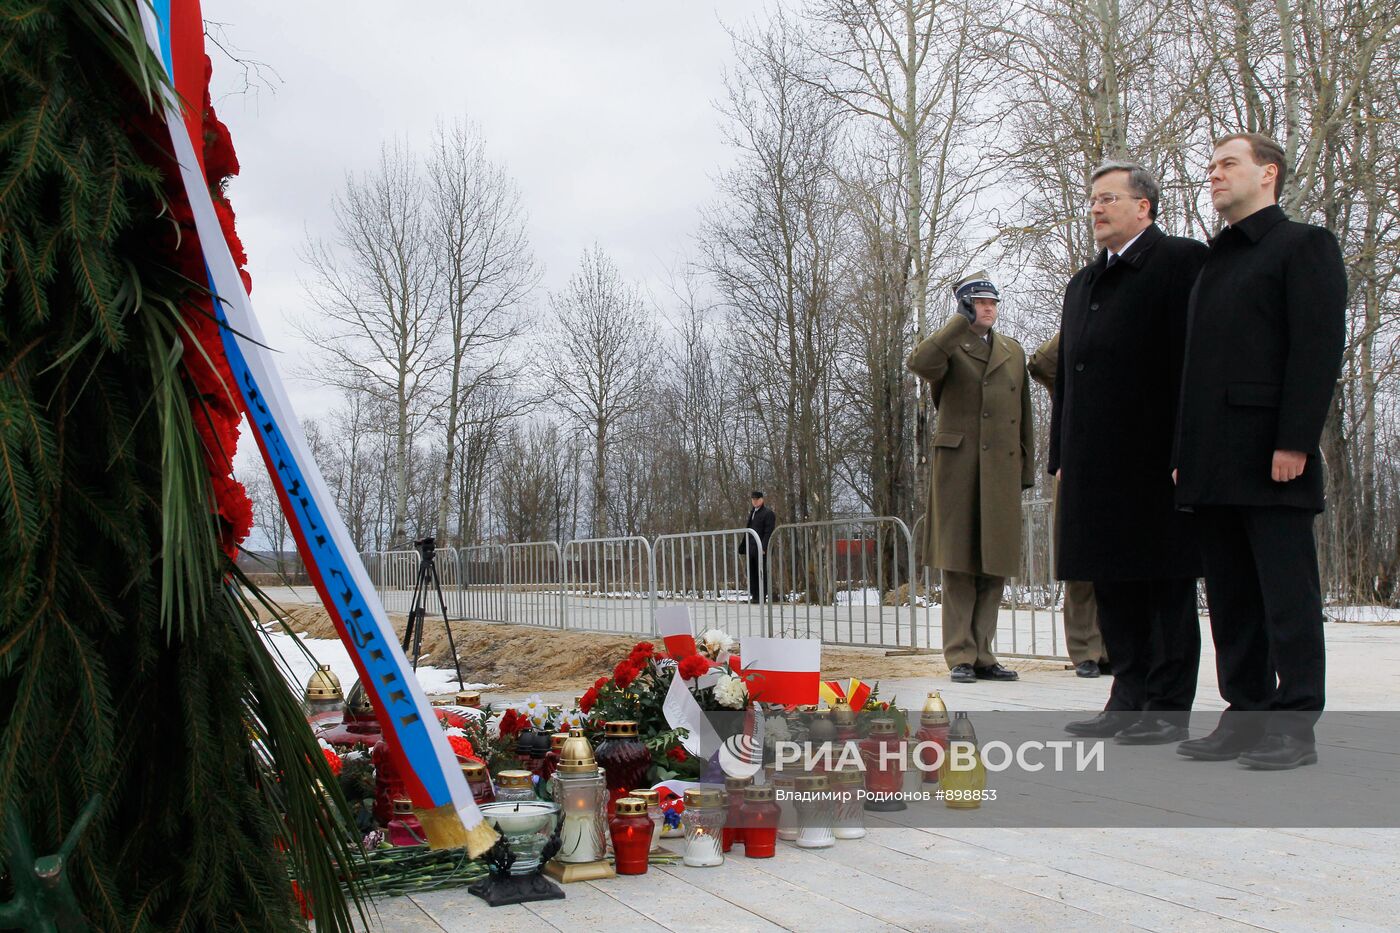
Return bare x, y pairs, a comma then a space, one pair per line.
964, 674
1279, 753
1220, 745
1087, 669
1152, 731
1105, 724
995, 672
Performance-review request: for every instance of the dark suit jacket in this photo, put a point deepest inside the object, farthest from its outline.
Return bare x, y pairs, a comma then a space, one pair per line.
1267, 329
1117, 381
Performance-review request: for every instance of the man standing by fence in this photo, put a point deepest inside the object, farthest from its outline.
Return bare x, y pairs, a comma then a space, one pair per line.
761, 521
1267, 333
983, 451
1082, 638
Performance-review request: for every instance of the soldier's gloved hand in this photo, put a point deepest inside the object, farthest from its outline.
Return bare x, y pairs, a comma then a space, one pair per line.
966, 309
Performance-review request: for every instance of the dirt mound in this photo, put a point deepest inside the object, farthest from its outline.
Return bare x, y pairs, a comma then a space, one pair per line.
532, 659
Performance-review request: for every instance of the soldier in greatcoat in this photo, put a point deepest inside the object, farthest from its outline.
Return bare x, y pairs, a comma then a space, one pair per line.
982, 457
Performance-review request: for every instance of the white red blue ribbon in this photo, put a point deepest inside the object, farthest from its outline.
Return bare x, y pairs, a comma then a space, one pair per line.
428, 764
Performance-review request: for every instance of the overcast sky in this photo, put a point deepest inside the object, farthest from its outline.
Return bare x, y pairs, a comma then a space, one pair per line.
603, 112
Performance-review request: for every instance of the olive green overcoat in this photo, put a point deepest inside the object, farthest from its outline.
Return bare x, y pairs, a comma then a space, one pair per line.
983, 449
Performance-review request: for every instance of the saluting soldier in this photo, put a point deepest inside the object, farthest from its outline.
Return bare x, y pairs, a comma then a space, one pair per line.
983, 451
1082, 637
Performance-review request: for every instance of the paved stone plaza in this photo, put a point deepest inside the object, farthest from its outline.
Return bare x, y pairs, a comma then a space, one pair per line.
905, 878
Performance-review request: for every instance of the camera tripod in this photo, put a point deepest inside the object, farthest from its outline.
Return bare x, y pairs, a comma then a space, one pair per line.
418, 611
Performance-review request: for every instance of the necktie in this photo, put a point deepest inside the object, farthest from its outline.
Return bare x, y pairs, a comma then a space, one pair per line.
1112, 258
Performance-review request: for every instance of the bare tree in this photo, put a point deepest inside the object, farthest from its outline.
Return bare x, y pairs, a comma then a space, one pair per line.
599, 361
485, 273
379, 314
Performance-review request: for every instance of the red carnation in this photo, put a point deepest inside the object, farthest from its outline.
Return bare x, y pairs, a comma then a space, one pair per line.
643, 650
461, 747
512, 722
333, 760
586, 701
626, 672
677, 754
598, 684
693, 667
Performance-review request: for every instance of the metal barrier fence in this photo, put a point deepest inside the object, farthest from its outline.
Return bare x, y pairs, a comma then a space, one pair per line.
534, 587
484, 593
845, 581
610, 585
1029, 625
395, 573
706, 570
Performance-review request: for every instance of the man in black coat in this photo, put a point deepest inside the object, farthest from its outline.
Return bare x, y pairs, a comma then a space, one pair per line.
1117, 383
1266, 335
762, 521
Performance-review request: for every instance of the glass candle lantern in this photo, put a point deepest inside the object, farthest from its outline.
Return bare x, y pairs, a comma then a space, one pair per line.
479, 780
704, 818
532, 747
468, 698
816, 811
933, 731
844, 719
963, 787
515, 786
527, 828
551, 758
582, 797
653, 801
624, 758
759, 817
782, 782
734, 798
883, 754
850, 811
631, 830
404, 829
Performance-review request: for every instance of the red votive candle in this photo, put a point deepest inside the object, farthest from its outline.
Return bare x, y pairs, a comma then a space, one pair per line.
631, 836
733, 827
759, 818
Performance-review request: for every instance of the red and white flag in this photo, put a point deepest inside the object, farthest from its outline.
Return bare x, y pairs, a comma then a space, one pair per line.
673, 625
786, 671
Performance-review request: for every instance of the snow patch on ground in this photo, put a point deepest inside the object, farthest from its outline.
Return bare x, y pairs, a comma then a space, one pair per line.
331, 651
1369, 615
866, 597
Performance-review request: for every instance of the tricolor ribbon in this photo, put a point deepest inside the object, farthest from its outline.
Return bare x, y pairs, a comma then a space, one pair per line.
174, 31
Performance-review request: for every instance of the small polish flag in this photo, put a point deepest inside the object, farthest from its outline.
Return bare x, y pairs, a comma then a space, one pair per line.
673, 625
786, 671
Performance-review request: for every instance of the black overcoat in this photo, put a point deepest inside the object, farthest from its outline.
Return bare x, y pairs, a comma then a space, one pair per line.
1123, 335
1267, 328
762, 521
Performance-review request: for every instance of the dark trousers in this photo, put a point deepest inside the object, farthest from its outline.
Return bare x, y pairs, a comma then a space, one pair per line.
1265, 616
1153, 637
756, 573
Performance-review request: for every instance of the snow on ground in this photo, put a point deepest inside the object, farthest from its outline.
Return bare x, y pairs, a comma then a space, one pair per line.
1372, 615
866, 597
333, 652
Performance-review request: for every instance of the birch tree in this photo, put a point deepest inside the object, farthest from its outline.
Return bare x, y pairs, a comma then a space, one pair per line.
378, 314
